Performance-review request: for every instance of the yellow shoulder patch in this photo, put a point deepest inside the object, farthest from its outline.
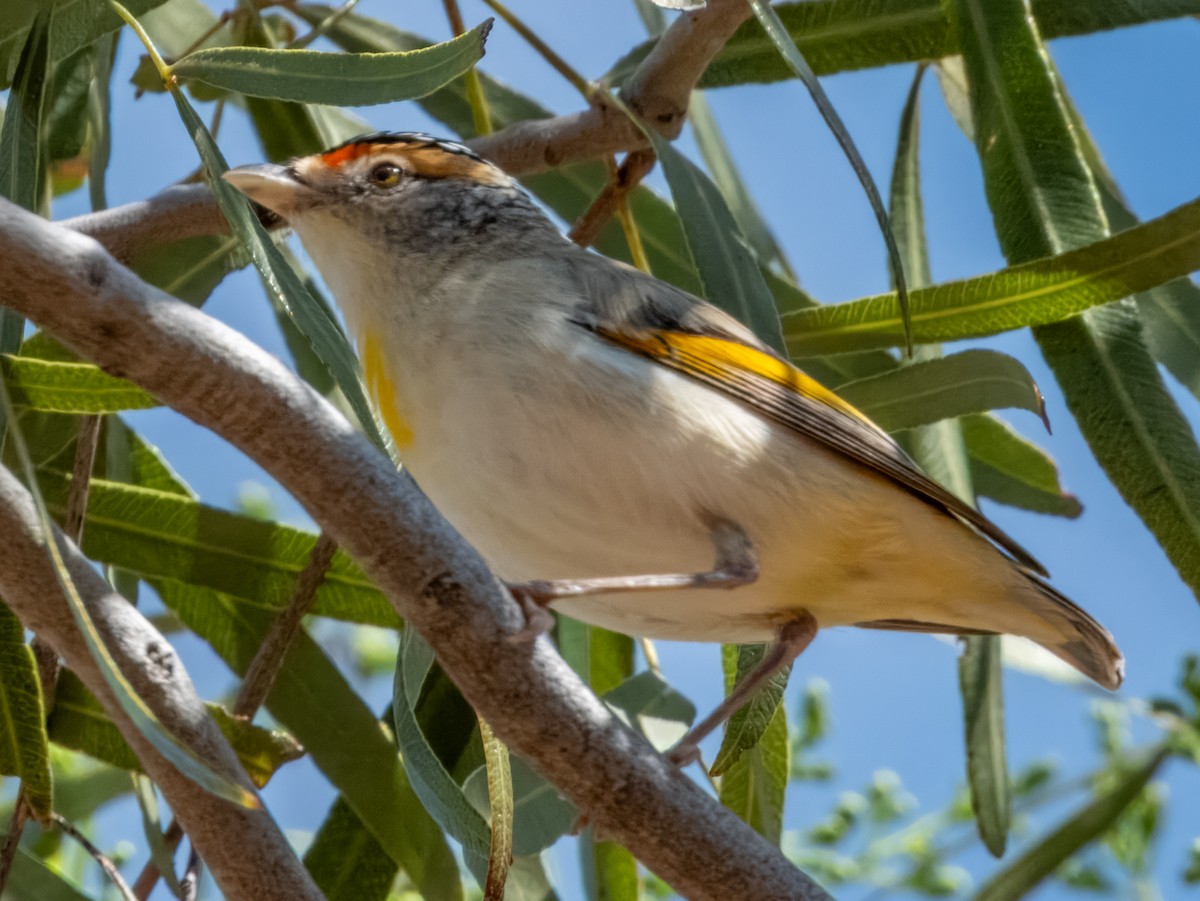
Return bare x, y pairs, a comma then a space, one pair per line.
716, 357
383, 390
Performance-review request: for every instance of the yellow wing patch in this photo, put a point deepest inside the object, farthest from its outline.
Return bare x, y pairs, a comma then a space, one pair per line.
383, 390
715, 357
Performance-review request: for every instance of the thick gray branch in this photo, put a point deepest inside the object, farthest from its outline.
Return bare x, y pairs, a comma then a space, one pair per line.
247, 853
68, 284
658, 92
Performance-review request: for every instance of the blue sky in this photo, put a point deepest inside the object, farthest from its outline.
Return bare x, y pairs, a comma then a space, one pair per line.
894, 697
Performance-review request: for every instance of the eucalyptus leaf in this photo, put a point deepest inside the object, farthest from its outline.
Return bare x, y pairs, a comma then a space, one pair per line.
842, 35
1008, 468
345, 740
751, 721
1047, 854
930, 390
23, 742
439, 793
346, 861
1059, 284
339, 79
753, 786
280, 280
728, 272
70, 387
162, 534
77, 24
1044, 200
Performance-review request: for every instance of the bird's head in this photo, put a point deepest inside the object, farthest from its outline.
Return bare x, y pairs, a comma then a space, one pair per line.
415, 192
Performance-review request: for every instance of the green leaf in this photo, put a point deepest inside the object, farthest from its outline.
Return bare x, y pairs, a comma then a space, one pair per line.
99, 120
79, 722
345, 740
651, 707
1009, 469
842, 35
499, 778
32, 880
439, 793
83, 785
280, 280
162, 534
979, 677
942, 450
728, 272
1044, 200
340, 79
753, 787
753, 718
1049, 853
66, 125
1170, 313
20, 152
930, 390
769, 19
346, 861
604, 659
1046, 290
189, 269
610, 872
23, 744
77, 24
70, 387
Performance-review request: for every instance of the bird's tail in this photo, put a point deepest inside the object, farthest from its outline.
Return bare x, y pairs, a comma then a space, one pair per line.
1077, 638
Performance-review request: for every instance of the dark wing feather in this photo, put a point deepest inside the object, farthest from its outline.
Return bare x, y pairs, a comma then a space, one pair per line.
673, 328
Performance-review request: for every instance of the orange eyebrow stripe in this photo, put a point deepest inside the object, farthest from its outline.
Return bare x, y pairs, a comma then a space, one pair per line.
339, 156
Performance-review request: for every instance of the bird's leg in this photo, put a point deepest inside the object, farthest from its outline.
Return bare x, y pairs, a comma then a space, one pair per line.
736, 565
794, 636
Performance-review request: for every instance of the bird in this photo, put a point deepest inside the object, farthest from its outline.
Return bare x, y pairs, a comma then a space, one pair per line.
626, 452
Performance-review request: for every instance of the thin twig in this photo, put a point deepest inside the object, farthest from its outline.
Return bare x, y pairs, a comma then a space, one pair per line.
266, 663
481, 114
189, 885
148, 878
106, 865
323, 26
633, 169
556, 62
263, 669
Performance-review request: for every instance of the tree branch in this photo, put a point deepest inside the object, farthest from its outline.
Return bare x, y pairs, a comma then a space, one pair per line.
658, 92
245, 849
68, 284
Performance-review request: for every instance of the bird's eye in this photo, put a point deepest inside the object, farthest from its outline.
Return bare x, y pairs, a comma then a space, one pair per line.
385, 175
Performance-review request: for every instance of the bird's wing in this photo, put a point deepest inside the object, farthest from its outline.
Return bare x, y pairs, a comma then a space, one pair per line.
671, 327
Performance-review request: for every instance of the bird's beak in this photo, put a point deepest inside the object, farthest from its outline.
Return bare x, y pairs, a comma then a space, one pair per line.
272, 186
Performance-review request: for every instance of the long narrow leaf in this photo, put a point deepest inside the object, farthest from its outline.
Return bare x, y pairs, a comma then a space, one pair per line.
340, 79
730, 276
179, 755
1044, 200
20, 153
842, 35
795, 60
70, 387
346, 861
931, 390
1008, 468
23, 743
345, 740
940, 448
1048, 854
162, 534
1054, 285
